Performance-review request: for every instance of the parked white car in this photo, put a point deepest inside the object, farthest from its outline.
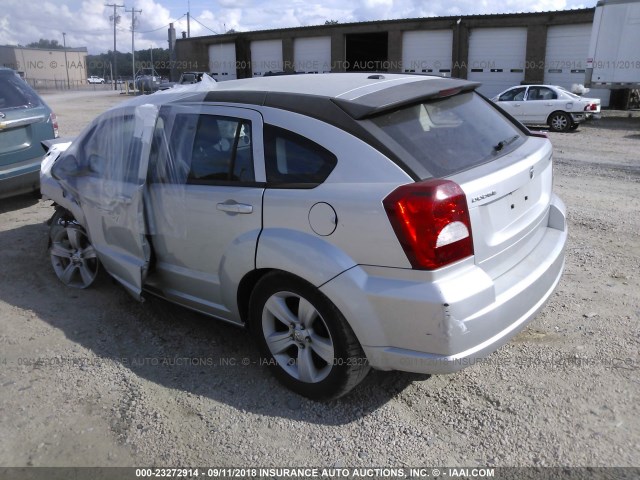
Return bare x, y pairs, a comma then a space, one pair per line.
548, 105
94, 79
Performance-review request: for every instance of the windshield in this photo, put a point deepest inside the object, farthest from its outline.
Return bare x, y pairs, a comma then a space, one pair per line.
449, 135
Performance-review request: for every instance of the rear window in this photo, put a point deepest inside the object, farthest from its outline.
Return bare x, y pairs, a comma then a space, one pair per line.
450, 135
15, 93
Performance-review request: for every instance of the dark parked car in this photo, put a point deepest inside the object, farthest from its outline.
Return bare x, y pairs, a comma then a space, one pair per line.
148, 80
187, 78
25, 121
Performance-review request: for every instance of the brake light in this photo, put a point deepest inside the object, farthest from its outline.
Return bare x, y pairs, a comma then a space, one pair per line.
54, 123
591, 107
431, 220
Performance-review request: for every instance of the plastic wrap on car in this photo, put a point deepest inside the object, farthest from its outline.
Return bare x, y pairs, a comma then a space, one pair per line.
107, 167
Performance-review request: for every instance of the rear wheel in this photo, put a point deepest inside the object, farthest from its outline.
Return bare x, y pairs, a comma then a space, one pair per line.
559, 122
305, 339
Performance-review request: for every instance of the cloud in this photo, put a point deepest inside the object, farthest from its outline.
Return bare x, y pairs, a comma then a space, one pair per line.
86, 22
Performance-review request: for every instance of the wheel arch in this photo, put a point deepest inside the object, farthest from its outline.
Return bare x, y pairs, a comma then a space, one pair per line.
245, 290
556, 112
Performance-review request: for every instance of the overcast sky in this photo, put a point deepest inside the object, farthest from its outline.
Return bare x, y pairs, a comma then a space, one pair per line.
87, 24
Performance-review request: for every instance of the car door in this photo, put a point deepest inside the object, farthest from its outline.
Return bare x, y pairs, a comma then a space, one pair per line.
106, 172
512, 102
540, 103
206, 185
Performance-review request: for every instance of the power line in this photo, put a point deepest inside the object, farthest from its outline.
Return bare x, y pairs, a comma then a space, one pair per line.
164, 26
217, 33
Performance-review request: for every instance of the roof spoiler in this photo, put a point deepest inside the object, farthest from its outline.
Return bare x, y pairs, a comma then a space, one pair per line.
401, 95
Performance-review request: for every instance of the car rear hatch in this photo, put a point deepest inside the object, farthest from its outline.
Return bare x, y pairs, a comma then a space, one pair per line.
24, 122
503, 170
509, 206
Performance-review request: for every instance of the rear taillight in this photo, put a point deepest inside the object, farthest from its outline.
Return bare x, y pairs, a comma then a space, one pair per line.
591, 107
431, 220
54, 123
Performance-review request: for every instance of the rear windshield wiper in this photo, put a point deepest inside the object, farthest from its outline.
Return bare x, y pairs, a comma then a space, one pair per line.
504, 143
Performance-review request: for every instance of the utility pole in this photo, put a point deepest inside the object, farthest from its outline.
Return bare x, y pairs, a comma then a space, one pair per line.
66, 64
133, 46
189, 19
116, 19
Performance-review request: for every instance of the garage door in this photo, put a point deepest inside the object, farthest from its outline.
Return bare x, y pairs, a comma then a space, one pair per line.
312, 55
222, 61
497, 57
427, 52
565, 61
266, 56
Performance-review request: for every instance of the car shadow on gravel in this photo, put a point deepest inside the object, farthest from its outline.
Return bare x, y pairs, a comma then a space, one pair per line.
163, 343
614, 123
16, 203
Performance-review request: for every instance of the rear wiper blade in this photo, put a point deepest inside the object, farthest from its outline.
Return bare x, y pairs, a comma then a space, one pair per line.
504, 143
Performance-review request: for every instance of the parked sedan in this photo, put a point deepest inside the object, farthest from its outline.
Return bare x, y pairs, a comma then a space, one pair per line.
25, 121
95, 79
349, 221
548, 105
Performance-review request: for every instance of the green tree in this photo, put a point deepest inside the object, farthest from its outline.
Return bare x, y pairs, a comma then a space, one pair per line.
46, 44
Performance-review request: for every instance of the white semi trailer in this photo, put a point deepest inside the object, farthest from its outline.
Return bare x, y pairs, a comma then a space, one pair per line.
613, 61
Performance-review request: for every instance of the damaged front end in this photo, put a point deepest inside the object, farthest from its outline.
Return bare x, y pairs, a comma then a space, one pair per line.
98, 182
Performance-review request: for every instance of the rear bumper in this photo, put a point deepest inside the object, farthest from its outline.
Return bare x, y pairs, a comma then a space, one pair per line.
584, 117
418, 325
20, 177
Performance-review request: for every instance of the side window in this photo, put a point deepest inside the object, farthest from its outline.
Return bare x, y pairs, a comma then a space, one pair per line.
541, 93
293, 159
201, 149
513, 95
221, 150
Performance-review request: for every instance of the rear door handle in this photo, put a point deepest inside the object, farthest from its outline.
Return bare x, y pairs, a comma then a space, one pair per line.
231, 206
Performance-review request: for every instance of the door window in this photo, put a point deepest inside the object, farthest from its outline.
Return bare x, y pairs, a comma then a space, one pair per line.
513, 95
541, 93
198, 148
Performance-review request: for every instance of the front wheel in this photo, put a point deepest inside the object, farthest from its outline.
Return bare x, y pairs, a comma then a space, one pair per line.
305, 339
73, 258
559, 122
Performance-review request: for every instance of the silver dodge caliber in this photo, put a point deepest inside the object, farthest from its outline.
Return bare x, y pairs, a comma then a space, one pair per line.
349, 221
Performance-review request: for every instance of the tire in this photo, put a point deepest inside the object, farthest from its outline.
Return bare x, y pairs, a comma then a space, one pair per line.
574, 126
559, 122
304, 338
73, 258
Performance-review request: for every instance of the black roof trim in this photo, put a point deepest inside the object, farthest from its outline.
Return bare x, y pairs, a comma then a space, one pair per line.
402, 95
236, 96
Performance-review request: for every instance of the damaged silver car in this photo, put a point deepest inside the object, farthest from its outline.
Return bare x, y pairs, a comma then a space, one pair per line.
350, 221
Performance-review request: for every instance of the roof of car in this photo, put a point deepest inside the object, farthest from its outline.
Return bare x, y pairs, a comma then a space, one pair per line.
359, 94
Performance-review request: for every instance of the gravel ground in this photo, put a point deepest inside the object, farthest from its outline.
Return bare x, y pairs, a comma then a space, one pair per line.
92, 378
